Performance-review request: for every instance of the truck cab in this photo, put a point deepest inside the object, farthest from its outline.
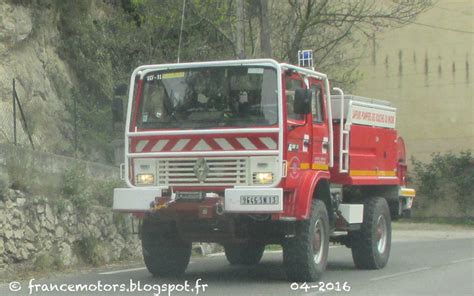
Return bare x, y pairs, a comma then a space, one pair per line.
247, 153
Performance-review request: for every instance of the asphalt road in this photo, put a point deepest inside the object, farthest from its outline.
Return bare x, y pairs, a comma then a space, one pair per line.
427, 262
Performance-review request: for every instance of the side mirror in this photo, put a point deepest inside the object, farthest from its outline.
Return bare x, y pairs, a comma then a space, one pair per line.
302, 103
117, 109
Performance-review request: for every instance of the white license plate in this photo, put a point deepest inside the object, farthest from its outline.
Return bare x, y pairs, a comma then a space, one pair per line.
185, 195
259, 200
253, 200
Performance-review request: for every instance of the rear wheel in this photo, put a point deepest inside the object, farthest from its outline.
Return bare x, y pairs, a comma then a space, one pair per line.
305, 255
164, 253
371, 244
244, 253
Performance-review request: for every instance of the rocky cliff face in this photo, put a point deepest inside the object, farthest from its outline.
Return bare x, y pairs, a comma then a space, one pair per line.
28, 52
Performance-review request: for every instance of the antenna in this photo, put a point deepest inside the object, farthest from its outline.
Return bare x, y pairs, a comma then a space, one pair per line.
181, 30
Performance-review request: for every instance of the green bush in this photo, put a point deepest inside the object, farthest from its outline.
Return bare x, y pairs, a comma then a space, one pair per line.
123, 227
88, 249
43, 262
4, 183
74, 180
21, 170
447, 177
102, 191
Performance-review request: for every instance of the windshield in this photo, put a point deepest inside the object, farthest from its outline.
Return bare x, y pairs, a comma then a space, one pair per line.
233, 96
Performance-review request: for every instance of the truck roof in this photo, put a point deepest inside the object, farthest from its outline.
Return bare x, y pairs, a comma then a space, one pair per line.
362, 99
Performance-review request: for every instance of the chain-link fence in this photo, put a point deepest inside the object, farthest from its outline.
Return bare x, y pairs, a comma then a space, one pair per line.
13, 124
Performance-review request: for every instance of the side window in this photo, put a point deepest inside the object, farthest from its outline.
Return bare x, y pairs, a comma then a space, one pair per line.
153, 106
291, 85
317, 104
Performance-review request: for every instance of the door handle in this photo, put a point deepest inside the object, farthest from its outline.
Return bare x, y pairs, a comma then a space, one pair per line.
306, 141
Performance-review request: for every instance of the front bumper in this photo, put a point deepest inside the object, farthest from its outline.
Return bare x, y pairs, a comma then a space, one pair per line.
235, 200
135, 199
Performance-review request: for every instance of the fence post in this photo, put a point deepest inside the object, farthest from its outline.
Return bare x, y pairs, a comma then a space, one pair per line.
25, 126
74, 97
14, 111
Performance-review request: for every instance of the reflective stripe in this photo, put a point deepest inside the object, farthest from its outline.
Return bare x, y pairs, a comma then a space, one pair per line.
201, 146
304, 166
407, 192
362, 173
320, 167
224, 144
180, 145
160, 145
206, 144
141, 145
245, 142
269, 142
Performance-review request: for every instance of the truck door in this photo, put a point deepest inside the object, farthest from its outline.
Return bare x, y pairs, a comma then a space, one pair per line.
299, 132
320, 132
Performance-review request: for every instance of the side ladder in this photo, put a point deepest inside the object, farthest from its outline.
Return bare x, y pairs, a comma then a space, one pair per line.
343, 138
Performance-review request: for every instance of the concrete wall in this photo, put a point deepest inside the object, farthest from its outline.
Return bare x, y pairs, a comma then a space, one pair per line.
57, 164
425, 69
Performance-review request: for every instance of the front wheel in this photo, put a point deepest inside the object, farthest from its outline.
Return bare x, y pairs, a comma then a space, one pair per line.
248, 253
371, 244
164, 253
305, 255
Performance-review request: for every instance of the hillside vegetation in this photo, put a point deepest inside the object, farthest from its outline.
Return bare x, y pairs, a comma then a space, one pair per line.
68, 56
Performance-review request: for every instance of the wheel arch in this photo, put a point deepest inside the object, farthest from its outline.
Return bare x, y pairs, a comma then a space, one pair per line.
314, 185
356, 194
323, 193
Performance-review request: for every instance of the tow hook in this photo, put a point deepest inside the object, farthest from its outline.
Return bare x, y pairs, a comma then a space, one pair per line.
156, 206
220, 208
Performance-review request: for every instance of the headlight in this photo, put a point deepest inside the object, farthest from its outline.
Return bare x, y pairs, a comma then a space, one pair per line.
262, 178
145, 179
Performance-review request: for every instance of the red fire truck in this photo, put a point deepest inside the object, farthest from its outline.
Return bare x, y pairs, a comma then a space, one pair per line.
248, 153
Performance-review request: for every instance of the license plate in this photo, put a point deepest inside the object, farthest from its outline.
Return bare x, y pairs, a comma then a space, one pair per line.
190, 195
259, 200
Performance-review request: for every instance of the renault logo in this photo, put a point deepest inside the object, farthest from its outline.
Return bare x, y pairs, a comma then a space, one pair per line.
201, 169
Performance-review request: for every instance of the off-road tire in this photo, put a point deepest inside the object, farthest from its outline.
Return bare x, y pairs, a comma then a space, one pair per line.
248, 253
164, 253
299, 258
368, 250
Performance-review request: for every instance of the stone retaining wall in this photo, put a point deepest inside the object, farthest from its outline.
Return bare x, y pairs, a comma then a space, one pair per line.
33, 228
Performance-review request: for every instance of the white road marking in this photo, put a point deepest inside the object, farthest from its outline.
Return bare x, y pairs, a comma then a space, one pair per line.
122, 270
399, 274
130, 269
462, 260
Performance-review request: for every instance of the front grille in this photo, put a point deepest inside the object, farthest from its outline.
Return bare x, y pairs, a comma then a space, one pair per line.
221, 171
